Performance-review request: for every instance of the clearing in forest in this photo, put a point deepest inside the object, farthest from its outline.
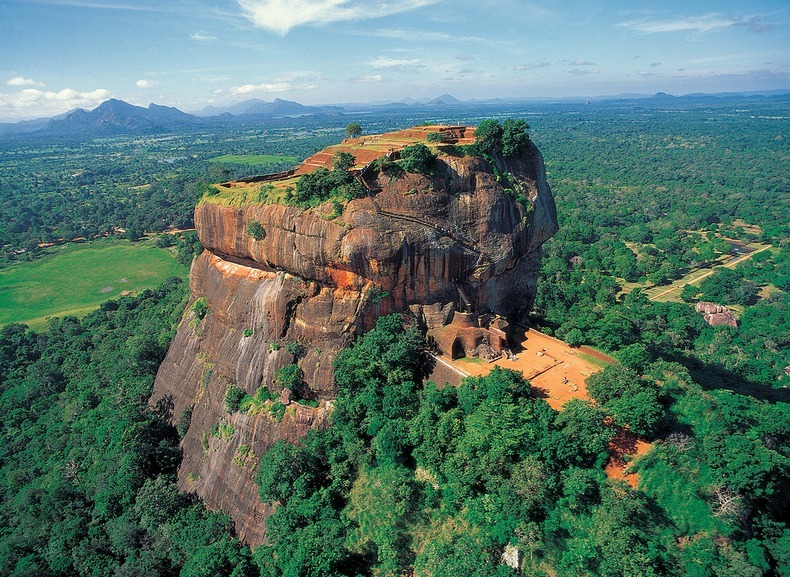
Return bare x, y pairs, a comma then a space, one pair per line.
740, 251
556, 371
79, 277
672, 292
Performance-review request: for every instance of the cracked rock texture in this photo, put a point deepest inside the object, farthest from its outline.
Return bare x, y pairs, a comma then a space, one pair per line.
320, 281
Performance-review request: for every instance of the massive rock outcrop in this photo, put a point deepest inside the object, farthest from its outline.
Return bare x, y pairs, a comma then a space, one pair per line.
414, 244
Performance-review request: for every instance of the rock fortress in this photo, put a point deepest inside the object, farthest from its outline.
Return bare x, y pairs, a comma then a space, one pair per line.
456, 249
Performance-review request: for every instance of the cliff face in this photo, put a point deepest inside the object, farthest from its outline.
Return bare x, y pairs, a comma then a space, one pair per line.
409, 246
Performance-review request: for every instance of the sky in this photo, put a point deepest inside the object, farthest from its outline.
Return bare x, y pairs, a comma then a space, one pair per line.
57, 55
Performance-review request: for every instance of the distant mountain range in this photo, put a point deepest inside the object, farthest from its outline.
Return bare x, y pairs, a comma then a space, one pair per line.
119, 117
278, 108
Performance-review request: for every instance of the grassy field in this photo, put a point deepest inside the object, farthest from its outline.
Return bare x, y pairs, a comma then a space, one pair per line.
253, 159
79, 277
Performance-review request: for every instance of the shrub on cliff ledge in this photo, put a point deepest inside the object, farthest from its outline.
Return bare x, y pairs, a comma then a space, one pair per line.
488, 137
417, 158
200, 308
515, 137
233, 398
255, 230
289, 377
386, 166
322, 184
509, 139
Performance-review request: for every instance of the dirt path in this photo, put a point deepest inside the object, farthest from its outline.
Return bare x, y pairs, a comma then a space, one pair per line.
731, 264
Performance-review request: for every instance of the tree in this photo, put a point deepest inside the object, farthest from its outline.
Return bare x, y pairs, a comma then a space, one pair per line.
353, 130
233, 398
488, 137
689, 293
417, 158
632, 401
515, 138
289, 377
574, 338
634, 356
728, 286
255, 230
134, 233
342, 161
584, 433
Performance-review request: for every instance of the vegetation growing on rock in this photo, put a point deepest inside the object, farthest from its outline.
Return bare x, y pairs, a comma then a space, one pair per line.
509, 139
255, 230
321, 185
417, 158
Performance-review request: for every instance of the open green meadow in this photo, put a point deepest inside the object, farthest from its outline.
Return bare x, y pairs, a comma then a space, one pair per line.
79, 277
253, 159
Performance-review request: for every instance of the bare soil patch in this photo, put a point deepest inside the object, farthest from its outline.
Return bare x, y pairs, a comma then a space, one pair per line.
556, 371
624, 448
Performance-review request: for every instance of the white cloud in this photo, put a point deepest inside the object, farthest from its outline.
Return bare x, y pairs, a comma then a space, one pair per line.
21, 81
582, 62
415, 35
412, 35
31, 102
583, 71
396, 64
704, 23
268, 87
535, 64
280, 16
367, 79
107, 5
142, 83
202, 37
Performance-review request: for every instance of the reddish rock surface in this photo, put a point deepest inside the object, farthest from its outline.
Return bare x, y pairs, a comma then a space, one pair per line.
320, 282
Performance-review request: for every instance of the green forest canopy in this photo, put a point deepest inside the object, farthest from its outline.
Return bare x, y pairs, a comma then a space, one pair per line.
420, 476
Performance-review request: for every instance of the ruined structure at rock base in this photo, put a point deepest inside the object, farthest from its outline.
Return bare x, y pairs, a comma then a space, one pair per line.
454, 251
716, 315
470, 335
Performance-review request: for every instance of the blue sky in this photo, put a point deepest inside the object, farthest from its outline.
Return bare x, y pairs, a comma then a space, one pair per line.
56, 55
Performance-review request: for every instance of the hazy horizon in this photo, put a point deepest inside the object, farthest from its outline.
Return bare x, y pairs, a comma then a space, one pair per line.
59, 55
